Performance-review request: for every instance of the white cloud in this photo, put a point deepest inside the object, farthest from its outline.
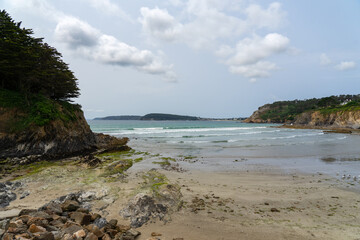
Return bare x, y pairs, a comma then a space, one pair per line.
90, 43
94, 45
249, 55
255, 70
252, 50
270, 18
343, 66
208, 24
324, 60
159, 23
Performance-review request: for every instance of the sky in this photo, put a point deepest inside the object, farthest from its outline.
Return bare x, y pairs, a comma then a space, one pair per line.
206, 58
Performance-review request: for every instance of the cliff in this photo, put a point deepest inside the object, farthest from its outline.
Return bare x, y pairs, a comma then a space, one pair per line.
257, 116
44, 128
57, 138
335, 112
338, 119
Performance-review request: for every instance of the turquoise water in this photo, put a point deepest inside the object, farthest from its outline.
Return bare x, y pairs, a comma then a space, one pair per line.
221, 143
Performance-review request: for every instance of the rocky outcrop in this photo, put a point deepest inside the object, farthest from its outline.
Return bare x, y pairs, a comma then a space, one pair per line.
339, 119
256, 116
57, 139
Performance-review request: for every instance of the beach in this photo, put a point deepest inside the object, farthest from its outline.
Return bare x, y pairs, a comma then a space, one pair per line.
249, 204
211, 190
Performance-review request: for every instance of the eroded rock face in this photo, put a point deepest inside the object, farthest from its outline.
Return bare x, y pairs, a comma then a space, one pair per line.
54, 140
57, 139
345, 119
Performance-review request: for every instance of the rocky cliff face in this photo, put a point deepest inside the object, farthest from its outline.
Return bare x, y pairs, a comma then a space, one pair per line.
56, 139
340, 119
256, 116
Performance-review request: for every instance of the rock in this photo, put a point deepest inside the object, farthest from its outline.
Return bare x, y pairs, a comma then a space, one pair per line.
25, 194
91, 236
79, 234
4, 223
27, 211
54, 208
72, 229
37, 221
8, 236
6, 196
113, 223
141, 208
100, 222
155, 234
274, 210
44, 236
70, 206
106, 237
34, 229
16, 224
95, 230
133, 232
81, 218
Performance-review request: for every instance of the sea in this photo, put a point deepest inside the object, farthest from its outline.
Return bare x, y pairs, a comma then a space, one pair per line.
234, 145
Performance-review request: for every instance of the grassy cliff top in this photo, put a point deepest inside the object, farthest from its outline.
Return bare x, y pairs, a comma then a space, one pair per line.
19, 112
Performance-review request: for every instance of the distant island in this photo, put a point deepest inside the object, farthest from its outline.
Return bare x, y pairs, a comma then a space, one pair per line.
165, 117
123, 117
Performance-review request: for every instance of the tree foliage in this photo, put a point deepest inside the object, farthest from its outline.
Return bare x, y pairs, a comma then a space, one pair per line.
30, 66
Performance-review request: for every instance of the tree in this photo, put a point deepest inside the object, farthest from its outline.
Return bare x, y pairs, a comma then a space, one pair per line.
30, 66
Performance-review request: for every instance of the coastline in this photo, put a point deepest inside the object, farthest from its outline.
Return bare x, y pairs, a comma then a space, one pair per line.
257, 203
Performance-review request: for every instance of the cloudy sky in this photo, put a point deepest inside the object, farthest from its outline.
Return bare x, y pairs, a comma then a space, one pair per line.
208, 58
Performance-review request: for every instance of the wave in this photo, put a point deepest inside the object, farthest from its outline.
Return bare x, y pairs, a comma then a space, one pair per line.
140, 131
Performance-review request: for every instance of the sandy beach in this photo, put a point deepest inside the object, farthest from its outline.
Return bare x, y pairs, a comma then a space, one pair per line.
257, 203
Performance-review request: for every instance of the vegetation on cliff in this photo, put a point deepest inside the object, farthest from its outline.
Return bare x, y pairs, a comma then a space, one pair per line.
287, 111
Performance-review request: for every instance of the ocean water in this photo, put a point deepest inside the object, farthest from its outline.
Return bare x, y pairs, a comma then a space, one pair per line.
226, 145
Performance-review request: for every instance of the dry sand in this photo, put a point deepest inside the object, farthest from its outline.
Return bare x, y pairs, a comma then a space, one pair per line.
259, 204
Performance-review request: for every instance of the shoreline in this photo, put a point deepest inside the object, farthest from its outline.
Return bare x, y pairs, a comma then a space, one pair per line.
327, 129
